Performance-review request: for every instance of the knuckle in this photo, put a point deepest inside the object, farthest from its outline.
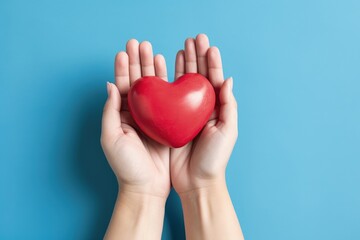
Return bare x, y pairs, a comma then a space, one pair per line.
234, 102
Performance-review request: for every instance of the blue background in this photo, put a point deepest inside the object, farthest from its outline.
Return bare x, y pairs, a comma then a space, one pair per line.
294, 173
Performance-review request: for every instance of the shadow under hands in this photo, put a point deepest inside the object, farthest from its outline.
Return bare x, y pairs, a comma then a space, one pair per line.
91, 166
174, 221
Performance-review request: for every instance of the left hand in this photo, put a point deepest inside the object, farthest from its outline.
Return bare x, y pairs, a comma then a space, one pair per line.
202, 162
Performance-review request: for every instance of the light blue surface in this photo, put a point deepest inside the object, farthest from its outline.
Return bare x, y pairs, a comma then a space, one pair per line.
294, 173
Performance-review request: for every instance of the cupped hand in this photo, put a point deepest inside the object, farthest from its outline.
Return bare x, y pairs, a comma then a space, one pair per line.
202, 162
140, 164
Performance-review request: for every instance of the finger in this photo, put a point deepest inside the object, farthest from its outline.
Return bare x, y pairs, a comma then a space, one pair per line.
160, 67
190, 56
111, 122
202, 46
132, 49
180, 64
228, 107
216, 76
122, 79
147, 59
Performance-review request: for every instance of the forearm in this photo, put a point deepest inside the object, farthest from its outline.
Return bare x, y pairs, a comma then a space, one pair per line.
136, 216
209, 214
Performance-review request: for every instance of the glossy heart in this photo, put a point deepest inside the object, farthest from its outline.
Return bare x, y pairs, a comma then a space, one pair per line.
172, 113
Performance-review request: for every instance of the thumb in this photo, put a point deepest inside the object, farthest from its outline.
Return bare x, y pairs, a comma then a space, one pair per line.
228, 106
111, 122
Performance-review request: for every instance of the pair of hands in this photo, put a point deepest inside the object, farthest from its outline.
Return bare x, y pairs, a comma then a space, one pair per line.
146, 167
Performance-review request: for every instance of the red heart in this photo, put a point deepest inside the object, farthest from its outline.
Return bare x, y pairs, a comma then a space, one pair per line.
172, 113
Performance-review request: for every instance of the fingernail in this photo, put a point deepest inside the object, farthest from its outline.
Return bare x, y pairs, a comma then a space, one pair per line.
231, 83
108, 87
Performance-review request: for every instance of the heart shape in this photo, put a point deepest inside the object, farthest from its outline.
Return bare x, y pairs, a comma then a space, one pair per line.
172, 113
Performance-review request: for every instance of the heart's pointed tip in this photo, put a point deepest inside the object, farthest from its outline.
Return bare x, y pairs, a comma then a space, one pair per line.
177, 145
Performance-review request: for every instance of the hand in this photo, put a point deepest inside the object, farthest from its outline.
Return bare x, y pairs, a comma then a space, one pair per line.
198, 168
202, 162
140, 164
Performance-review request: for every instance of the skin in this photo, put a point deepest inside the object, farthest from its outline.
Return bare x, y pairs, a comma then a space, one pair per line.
198, 168
146, 169
140, 164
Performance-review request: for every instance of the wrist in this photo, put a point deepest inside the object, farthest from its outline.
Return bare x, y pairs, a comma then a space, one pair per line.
136, 216
140, 200
206, 209
200, 186
208, 189
145, 190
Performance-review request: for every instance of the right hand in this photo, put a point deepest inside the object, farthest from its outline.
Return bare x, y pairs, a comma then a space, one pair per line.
140, 164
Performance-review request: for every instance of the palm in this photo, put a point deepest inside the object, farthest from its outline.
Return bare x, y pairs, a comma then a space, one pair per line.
145, 160
200, 160
138, 162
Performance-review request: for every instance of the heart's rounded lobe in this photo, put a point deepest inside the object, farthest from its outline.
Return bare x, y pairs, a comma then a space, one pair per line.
172, 113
